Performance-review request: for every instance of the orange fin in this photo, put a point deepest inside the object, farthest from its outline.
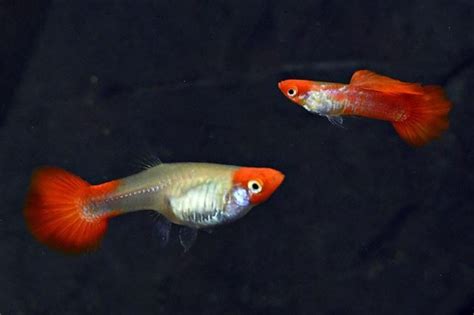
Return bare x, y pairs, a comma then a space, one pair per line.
369, 80
56, 213
426, 116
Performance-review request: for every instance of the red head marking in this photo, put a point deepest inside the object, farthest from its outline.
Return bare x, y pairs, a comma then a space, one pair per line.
294, 89
260, 182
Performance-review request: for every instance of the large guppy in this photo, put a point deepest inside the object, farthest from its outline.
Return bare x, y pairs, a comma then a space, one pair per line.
66, 213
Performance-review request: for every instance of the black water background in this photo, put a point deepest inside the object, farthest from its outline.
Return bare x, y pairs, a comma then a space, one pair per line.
363, 224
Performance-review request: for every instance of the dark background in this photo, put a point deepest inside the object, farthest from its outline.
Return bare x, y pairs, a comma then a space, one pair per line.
363, 224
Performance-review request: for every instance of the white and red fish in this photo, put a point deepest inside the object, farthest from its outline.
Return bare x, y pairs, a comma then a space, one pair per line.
418, 113
66, 213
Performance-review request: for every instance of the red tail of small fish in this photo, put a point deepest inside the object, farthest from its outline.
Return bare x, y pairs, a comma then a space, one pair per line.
56, 210
426, 108
427, 117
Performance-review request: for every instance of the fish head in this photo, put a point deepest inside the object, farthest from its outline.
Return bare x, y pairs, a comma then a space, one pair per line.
250, 187
260, 183
323, 98
296, 90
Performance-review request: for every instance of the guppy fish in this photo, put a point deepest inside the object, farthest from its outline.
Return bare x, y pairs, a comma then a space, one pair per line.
418, 113
66, 213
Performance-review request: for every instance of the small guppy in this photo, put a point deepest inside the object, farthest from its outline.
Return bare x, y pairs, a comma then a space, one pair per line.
418, 113
66, 213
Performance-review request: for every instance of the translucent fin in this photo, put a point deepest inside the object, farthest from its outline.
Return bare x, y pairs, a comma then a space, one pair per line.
336, 120
162, 230
148, 162
187, 237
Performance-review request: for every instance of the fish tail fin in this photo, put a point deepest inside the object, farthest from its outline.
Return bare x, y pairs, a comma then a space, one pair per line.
56, 210
426, 116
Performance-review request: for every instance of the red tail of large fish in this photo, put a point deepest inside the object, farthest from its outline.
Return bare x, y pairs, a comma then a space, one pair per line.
56, 210
425, 108
427, 117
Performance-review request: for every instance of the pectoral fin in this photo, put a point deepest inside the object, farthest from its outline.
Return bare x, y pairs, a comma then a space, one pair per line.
162, 230
336, 120
187, 237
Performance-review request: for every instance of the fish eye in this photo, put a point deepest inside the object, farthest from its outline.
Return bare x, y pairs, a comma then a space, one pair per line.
254, 186
292, 92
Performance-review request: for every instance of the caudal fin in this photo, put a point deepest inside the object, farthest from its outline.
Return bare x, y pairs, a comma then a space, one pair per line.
58, 211
425, 108
426, 116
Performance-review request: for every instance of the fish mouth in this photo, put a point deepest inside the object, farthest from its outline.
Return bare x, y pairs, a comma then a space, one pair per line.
273, 180
278, 179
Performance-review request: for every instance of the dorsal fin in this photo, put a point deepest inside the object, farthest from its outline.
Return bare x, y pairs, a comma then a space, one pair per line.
369, 80
148, 161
